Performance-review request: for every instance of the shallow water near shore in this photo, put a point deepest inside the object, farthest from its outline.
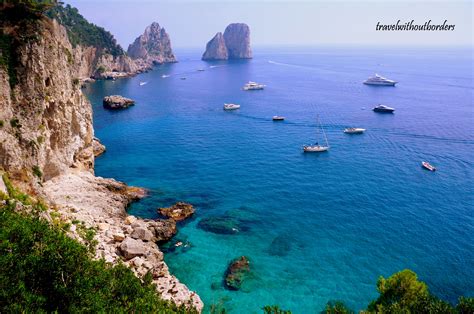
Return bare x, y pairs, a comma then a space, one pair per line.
317, 227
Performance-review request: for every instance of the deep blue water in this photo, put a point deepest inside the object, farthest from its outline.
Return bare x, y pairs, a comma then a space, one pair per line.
318, 227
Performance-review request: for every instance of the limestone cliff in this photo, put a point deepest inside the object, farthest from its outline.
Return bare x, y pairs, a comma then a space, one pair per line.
216, 49
153, 46
46, 121
234, 44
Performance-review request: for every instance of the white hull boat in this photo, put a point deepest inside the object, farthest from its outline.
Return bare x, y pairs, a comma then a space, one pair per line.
316, 147
428, 166
231, 106
354, 130
380, 81
278, 118
253, 86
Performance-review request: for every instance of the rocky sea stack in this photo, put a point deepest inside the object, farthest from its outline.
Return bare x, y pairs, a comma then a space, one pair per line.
178, 211
153, 45
234, 44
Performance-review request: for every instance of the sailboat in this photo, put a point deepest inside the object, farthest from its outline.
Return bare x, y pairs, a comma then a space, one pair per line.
316, 147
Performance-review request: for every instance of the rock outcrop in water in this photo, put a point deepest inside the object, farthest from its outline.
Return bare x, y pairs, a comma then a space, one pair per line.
153, 46
234, 44
117, 102
178, 211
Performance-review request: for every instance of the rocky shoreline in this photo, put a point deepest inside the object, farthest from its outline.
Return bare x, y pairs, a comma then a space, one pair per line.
81, 198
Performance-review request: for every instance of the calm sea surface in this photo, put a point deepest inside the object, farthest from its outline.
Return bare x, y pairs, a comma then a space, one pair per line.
316, 227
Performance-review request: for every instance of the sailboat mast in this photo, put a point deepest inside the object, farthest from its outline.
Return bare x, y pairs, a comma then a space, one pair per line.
324, 133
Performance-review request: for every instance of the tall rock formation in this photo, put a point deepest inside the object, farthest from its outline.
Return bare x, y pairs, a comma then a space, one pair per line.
153, 45
216, 49
237, 41
234, 44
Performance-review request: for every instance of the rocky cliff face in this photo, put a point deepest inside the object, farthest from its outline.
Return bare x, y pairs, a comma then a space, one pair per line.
234, 44
216, 49
153, 45
46, 121
237, 41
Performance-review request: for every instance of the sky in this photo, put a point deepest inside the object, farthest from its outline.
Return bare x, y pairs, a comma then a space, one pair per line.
192, 23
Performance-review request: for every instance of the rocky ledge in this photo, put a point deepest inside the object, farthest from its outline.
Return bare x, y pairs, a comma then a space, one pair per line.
100, 203
234, 44
117, 102
178, 211
97, 147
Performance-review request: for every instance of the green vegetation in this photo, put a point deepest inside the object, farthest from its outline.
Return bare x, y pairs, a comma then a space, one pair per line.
83, 33
37, 172
1, 123
15, 123
7, 57
43, 270
337, 307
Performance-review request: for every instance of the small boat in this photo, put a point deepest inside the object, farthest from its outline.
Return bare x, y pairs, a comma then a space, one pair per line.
278, 118
253, 86
428, 166
316, 147
231, 106
354, 130
182, 78
383, 109
200, 70
165, 76
380, 81
179, 243
143, 83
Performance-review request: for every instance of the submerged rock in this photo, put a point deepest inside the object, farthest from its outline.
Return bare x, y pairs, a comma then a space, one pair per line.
178, 211
236, 273
117, 102
220, 225
280, 246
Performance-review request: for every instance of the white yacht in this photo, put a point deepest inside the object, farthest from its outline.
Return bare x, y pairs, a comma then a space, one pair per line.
278, 118
379, 80
253, 86
316, 147
231, 106
354, 130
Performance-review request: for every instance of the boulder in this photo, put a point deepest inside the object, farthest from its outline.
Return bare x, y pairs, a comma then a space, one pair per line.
178, 211
164, 229
118, 236
131, 248
142, 234
236, 273
130, 220
117, 102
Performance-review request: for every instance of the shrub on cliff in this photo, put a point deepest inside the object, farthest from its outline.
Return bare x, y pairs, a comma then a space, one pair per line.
81, 32
43, 270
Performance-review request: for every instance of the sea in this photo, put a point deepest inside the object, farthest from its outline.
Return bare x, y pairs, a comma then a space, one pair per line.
316, 227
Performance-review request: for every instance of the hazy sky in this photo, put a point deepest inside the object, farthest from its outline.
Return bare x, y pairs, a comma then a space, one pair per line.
192, 23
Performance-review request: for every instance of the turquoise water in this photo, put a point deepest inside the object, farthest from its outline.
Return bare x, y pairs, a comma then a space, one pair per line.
317, 227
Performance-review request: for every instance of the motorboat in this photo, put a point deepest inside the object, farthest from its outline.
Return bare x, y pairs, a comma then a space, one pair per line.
165, 76
383, 109
316, 147
231, 106
183, 78
428, 166
143, 83
380, 81
200, 70
354, 130
253, 86
278, 118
